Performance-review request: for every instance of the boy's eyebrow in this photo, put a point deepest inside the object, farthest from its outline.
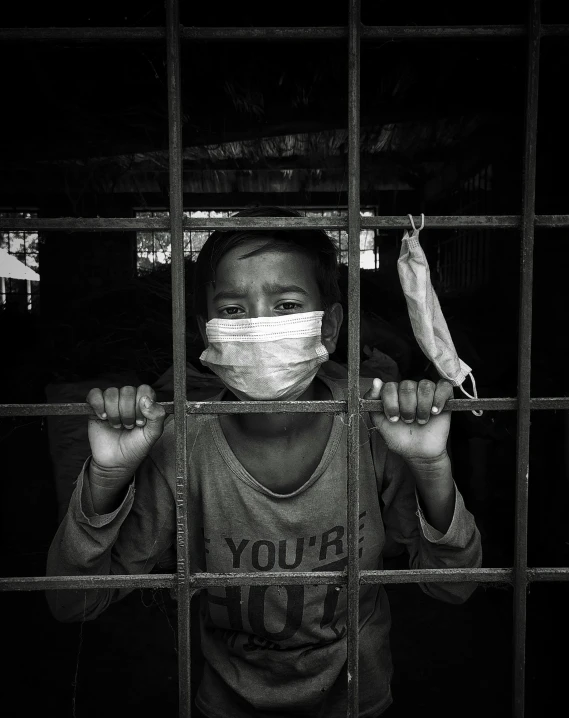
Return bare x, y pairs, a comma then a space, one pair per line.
284, 288
239, 293
230, 294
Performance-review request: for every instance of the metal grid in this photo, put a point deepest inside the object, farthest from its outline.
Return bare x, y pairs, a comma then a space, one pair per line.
184, 581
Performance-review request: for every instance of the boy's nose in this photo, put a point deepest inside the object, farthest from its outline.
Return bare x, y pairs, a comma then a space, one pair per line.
259, 309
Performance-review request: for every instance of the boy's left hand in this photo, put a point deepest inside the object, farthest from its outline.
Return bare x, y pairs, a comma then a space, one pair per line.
412, 422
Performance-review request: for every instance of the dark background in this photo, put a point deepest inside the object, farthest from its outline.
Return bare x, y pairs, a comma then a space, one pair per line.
83, 132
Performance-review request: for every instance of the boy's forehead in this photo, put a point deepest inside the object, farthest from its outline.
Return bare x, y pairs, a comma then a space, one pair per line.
272, 263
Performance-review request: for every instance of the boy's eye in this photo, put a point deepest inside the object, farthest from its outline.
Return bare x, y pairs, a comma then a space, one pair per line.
289, 306
230, 311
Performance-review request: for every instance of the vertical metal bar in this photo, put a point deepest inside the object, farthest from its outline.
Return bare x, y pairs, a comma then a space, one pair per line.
179, 349
353, 458
524, 362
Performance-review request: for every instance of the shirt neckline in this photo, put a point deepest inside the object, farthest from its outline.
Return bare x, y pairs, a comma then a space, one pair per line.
328, 454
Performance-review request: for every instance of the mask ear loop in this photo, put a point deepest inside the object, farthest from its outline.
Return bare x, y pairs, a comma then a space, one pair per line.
476, 412
413, 223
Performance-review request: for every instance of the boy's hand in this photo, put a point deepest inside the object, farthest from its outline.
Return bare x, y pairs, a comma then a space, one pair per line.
128, 424
412, 423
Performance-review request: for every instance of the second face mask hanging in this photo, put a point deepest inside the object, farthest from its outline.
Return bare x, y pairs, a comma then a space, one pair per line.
427, 319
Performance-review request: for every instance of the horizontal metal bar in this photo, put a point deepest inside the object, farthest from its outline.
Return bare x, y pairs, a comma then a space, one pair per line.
140, 224
74, 34
389, 32
264, 33
443, 575
284, 407
428, 32
269, 578
535, 575
438, 32
193, 407
557, 30
52, 583
314, 578
149, 224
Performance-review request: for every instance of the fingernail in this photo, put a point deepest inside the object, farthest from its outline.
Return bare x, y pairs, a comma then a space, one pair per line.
408, 421
129, 426
435, 410
393, 418
421, 421
140, 422
104, 415
116, 426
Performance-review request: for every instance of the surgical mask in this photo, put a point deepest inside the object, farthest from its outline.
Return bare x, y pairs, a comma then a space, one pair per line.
427, 320
266, 358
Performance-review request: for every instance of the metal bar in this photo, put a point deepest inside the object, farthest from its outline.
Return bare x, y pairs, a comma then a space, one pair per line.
353, 458
142, 224
548, 574
285, 407
524, 364
184, 593
266, 34
434, 32
279, 578
77, 34
557, 30
207, 580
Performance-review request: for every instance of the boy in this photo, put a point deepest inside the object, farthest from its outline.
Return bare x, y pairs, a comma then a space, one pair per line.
268, 491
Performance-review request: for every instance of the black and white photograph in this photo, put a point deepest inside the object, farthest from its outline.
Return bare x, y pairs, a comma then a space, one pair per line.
284, 397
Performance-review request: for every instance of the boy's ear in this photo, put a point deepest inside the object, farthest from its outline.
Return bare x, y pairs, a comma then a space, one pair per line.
201, 326
331, 323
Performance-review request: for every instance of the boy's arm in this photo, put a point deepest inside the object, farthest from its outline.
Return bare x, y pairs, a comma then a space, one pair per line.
406, 525
127, 540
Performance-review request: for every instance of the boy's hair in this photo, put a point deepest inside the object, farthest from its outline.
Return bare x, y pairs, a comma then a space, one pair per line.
314, 244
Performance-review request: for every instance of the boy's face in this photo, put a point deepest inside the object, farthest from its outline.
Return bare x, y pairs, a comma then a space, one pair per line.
271, 284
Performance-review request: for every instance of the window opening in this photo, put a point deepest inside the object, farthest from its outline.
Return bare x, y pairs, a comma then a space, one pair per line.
154, 247
17, 291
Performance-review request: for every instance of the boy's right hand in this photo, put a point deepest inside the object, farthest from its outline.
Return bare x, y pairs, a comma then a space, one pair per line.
127, 424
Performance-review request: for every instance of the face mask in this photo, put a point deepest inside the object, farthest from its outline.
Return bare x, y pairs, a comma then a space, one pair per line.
427, 320
266, 358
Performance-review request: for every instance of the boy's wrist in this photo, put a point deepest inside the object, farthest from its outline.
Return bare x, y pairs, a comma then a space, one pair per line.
430, 467
435, 489
107, 492
108, 479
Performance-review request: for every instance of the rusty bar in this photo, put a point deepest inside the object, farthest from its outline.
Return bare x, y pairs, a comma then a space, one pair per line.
286, 407
197, 581
552, 220
548, 574
264, 34
353, 458
434, 32
140, 224
102, 224
75, 34
557, 30
175, 149
60, 583
152, 34
270, 34
524, 363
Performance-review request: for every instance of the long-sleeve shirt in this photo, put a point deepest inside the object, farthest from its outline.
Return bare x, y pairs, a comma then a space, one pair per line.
269, 651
